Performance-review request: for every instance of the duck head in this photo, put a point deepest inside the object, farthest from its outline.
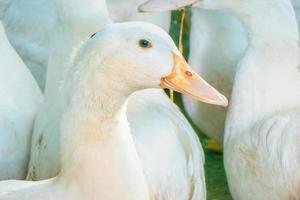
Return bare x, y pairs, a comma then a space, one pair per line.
134, 56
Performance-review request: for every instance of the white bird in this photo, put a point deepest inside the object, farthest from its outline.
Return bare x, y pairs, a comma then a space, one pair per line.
180, 173
29, 24
99, 157
20, 97
262, 128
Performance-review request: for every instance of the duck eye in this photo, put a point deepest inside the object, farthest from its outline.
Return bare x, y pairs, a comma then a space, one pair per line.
145, 43
93, 35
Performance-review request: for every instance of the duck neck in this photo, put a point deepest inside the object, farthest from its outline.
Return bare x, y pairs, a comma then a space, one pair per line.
267, 78
99, 158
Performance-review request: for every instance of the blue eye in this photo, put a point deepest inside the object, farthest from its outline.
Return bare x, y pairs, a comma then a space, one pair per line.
145, 43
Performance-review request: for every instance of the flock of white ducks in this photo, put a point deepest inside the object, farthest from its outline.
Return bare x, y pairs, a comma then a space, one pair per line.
160, 132
81, 133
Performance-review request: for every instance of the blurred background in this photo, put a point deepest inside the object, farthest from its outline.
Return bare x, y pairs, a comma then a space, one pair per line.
217, 188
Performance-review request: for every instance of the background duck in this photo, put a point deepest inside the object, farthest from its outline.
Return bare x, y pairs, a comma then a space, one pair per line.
261, 135
28, 24
99, 156
19, 100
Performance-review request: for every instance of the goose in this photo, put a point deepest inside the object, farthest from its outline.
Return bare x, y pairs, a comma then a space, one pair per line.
161, 133
29, 24
261, 133
19, 100
99, 157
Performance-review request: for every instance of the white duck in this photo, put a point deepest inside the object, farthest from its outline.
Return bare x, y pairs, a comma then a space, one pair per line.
99, 157
29, 24
217, 42
261, 135
19, 100
157, 124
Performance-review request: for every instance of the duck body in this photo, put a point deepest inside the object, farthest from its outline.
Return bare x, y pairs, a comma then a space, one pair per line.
164, 136
217, 42
266, 150
20, 98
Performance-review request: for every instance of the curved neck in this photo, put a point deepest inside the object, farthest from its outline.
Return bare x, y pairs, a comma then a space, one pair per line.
98, 152
267, 77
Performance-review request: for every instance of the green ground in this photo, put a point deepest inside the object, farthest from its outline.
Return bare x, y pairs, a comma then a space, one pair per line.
217, 188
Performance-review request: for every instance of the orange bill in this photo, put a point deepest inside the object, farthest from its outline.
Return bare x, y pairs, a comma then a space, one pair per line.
184, 80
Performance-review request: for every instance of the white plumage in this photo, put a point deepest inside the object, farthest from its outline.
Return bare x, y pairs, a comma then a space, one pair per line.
217, 42
29, 25
261, 135
261, 145
19, 100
